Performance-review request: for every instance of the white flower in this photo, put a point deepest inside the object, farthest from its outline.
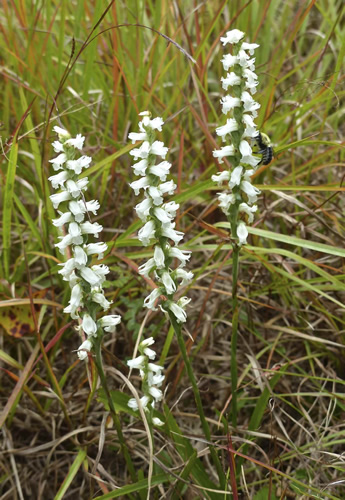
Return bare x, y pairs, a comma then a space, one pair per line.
155, 194
225, 200
171, 207
77, 142
134, 137
58, 198
58, 146
155, 124
58, 179
72, 187
91, 228
242, 233
248, 102
245, 148
242, 57
147, 232
250, 47
253, 161
76, 301
184, 276
64, 243
179, 313
91, 206
168, 187
82, 184
78, 165
224, 151
231, 80
58, 161
100, 299
250, 190
228, 103
161, 170
62, 133
159, 149
170, 232
101, 270
90, 276
80, 257
182, 255
157, 421
145, 269
248, 210
235, 178
159, 257
67, 269
77, 210
139, 184
162, 215
88, 325
63, 219
140, 167
143, 208
156, 393
132, 403
230, 126
155, 368
141, 152
229, 61
221, 176
96, 248
110, 322
168, 282
150, 353
147, 342
85, 347
150, 300
157, 379
233, 36
74, 230
138, 362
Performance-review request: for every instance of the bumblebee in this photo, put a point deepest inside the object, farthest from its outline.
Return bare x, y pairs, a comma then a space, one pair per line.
265, 145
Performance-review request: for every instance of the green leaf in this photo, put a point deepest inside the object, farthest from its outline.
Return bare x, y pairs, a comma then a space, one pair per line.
71, 474
8, 205
264, 494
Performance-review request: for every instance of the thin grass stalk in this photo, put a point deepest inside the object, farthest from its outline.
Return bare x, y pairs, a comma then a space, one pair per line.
114, 415
178, 331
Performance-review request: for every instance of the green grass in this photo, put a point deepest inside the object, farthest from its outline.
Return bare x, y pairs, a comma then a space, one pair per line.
92, 71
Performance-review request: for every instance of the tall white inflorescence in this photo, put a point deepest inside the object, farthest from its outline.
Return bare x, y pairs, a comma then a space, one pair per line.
158, 230
241, 109
158, 218
85, 280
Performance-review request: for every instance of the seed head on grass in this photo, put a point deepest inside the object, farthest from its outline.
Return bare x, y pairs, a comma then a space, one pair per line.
242, 111
85, 280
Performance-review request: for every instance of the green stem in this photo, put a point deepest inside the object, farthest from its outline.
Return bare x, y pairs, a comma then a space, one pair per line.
233, 220
234, 333
204, 423
115, 417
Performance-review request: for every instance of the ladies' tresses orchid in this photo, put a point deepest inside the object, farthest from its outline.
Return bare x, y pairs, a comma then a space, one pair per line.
240, 126
158, 229
158, 217
87, 296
